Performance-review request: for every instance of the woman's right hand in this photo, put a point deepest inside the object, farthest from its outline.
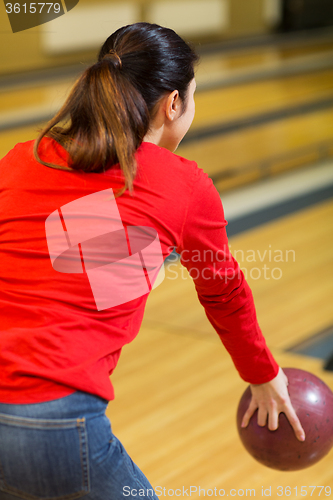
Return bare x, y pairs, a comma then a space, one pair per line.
271, 399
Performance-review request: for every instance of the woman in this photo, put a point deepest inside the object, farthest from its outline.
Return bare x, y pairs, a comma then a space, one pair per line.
79, 209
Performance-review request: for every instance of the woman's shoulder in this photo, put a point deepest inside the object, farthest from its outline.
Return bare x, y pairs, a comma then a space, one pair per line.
168, 163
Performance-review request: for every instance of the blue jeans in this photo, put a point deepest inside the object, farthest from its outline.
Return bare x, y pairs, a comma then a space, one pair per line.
63, 450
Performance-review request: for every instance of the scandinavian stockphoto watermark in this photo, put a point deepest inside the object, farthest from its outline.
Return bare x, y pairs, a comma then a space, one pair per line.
24, 15
122, 262
227, 263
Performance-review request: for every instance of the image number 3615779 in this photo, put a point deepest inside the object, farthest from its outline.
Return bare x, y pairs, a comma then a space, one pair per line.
24, 15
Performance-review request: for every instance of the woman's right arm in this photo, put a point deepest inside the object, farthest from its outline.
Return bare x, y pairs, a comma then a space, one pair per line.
228, 302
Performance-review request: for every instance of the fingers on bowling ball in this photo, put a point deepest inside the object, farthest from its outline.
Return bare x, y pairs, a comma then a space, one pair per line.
312, 400
262, 419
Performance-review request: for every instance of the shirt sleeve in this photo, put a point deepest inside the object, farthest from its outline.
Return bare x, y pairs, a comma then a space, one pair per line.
220, 284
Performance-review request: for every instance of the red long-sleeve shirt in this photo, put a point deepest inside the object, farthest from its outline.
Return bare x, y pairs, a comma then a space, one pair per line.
54, 339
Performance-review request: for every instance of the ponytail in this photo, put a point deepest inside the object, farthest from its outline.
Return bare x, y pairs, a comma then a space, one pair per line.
108, 121
107, 114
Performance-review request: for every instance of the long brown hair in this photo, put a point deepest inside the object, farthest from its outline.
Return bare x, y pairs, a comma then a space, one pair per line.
109, 109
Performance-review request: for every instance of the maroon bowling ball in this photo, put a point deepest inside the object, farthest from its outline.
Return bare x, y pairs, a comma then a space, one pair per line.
312, 400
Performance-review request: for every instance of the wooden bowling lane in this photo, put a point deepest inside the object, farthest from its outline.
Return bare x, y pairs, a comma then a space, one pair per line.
177, 390
46, 94
299, 247
227, 104
223, 68
254, 56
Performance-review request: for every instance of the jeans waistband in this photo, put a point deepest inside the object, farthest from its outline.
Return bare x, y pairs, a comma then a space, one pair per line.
76, 405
